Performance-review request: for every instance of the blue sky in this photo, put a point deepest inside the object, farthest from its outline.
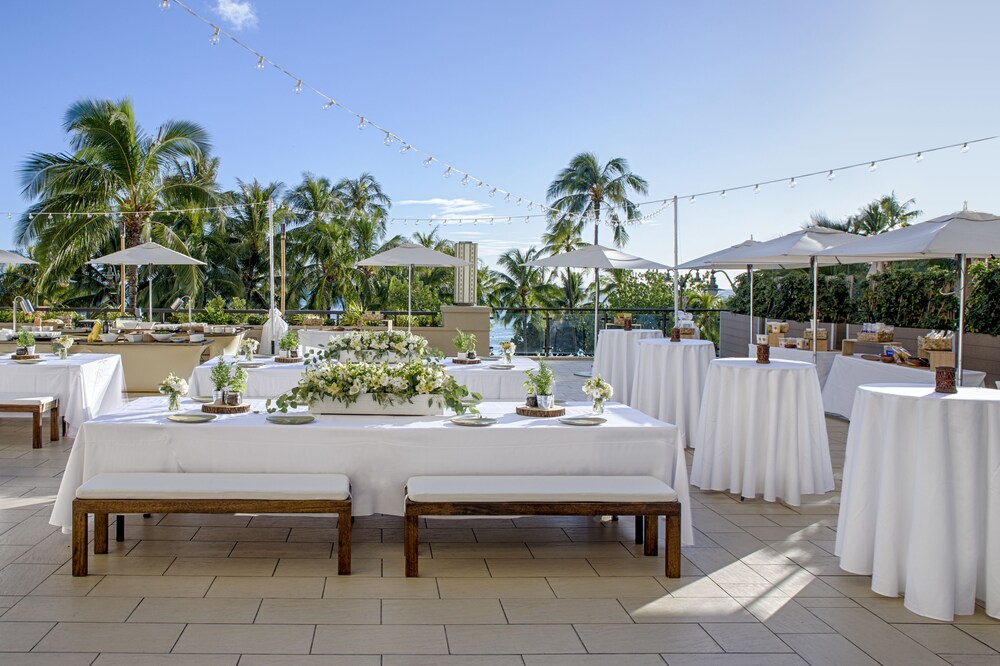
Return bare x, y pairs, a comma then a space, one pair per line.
697, 96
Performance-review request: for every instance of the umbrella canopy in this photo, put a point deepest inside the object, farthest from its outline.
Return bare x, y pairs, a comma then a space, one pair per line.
148, 254
721, 261
959, 235
411, 254
794, 250
14, 258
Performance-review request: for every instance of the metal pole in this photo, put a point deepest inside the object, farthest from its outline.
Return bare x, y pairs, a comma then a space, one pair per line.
121, 231
282, 268
270, 261
597, 285
409, 299
150, 280
676, 261
753, 339
961, 318
815, 342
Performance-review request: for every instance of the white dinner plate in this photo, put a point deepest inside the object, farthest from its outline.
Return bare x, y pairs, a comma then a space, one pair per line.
203, 399
29, 361
583, 420
191, 417
291, 419
502, 366
474, 420
250, 364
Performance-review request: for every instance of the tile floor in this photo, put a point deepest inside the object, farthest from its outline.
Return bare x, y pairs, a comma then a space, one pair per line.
760, 587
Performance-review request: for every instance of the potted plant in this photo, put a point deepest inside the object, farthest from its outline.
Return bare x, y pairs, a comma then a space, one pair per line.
221, 375
27, 340
289, 343
542, 383
173, 387
599, 391
237, 386
465, 343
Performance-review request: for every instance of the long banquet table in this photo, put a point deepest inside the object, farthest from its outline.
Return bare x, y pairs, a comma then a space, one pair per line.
850, 372
616, 355
920, 504
378, 453
87, 385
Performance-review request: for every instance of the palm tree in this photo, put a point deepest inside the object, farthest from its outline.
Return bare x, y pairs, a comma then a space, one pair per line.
315, 199
117, 170
522, 286
882, 215
363, 197
585, 188
564, 234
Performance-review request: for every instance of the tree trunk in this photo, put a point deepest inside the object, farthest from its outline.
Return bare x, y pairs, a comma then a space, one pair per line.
133, 234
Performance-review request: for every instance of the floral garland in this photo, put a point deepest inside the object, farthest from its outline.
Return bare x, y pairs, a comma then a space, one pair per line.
386, 383
376, 343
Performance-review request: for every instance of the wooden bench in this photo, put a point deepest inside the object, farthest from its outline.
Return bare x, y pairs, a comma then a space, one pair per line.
165, 492
36, 405
545, 495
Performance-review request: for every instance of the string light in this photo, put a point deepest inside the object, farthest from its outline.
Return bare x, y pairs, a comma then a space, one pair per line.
872, 167
164, 5
214, 39
388, 139
919, 157
692, 199
792, 183
298, 86
406, 148
831, 175
756, 189
428, 161
329, 104
362, 122
722, 194
465, 179
260, 63
447, 172
965, 148
507, 198
493, 192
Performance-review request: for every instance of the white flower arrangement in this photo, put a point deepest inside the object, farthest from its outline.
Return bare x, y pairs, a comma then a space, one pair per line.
386, 383
249, 346
598, 389
174, 385
64, 341
508, 347
377, 343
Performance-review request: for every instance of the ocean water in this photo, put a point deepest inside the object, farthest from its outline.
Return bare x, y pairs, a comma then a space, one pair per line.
499, 333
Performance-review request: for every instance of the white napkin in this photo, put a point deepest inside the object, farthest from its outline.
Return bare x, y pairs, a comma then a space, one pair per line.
275, 326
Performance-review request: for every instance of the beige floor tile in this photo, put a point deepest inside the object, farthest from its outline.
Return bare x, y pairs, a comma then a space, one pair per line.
319, 611
196, 611
259, 587
28, 532
445, 568
892, 610
47, 659
149, 548
167, 660
378, 639
826, 602
309, 660
827, 650
218, 566
477, 550
606, 587
349, 587
442, 611
72, 609
101, 565
392, 550
989, 634
513, 639
241, 534
851, 586
685, 609
288, 566
945, 639
532, 568
152, 586
99, 637
635, 566
577, 550
744, 637
16, 579
22, 636
206, 520
462, 522
734, 660
159, 533
452, 660
297, 520
433, 536
645, 639
251, 638
282, 549
67, 586
495, 588
521, 535
877, 638
795, 581
784, 616
9, 554
323, 535
972, 659
565, 611
692, 586
592, 660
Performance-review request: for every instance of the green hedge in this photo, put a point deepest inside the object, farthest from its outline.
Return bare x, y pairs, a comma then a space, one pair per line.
901, 296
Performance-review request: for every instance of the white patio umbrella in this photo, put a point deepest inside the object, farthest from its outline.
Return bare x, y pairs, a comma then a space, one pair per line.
14, 258
597, 257
798, 249
962, 235
148, 254
720, 261
411, 254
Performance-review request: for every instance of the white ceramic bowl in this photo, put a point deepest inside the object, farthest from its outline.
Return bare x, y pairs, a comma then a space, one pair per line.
197, 337
109, 337
134, 337
162, 337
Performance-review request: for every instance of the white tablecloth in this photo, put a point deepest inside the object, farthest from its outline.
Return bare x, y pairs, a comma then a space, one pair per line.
311, 338
920, 505
491, 383
616, 356
378, 453
761, 430
87, 385
824, 360
268, 381
669, 381
850, 372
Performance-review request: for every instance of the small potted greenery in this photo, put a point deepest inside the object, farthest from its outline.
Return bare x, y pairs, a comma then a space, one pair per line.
465, 343
237, 386
25, 341
221, 376
542, 382
289, 344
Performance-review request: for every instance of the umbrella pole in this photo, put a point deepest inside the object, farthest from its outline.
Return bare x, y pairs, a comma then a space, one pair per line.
409, 299
597, 294
753, 339
270, 261
959, 347
150, 276
676, 261
815, 317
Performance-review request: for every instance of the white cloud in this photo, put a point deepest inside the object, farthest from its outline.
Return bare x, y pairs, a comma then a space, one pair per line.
449, 208
239, 15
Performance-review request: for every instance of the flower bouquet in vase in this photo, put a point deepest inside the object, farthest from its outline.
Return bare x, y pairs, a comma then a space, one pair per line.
249, 347
507, 350
61, 346
173, 387
598, 390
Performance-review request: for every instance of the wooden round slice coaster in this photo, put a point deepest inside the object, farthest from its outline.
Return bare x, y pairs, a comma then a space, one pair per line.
287, 359
226, 409
524, 410
466, 361
24, 357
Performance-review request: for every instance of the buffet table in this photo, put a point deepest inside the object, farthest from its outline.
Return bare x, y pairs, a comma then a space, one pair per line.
493, 383
920, 498
314, 338
761, 430
378, 453
850, 372
824, 360
269, 380
616, 355
87, 385
669, 381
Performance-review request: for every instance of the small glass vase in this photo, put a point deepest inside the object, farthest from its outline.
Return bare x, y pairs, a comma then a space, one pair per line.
62, 353
598, 406
174, 402
248, 356
507, 359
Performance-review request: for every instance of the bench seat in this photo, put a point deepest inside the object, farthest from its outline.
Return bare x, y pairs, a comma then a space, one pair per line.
641, 496
36, 405
195, 492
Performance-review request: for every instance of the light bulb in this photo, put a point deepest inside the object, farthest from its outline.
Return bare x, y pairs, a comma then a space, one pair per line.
872, 167
531, 205
388, 139
526, 219
298, 86
722, 194
260, 62
509, 220
447, 172
965, 147
90, 215
493, 192
329, 104
507, 198
164, 5
214, 39
831, 175
465, 179
692, 199
480, 184
31, 216
50, 217
756, 189
428, 161
792, 183
362, 122
919, 157
406, 148
518, 202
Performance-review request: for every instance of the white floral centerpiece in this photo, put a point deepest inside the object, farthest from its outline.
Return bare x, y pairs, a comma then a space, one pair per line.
173, 387
410, 388
599, 391
507, 350
61, 345
374, 346
249, 347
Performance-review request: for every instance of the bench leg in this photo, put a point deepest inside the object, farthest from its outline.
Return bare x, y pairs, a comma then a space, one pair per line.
100, 533
36, 430
54, 430
652, 535
673, 556
638, 529
344, 542
79, 542
411, 535
119, 528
